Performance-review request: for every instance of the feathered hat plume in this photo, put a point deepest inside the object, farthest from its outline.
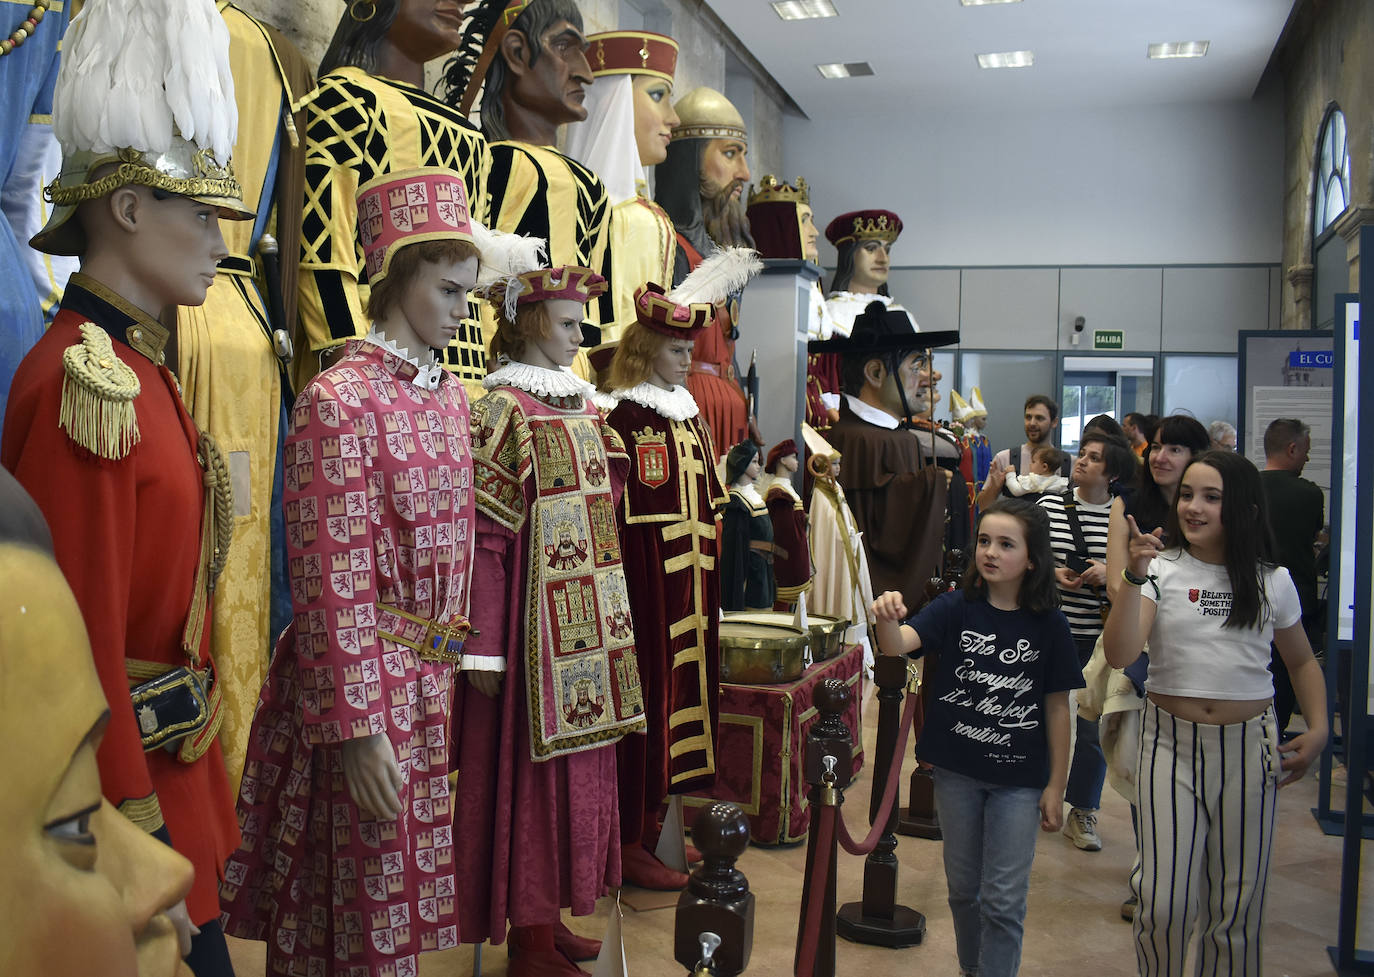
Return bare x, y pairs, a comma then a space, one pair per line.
723, 273
505, 257
136, 73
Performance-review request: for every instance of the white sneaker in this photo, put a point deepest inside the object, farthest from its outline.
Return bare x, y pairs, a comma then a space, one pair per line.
1080, 827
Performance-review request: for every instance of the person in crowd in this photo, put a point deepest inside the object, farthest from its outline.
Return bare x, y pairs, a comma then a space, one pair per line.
1223, 435
1209, 602
1297, 511
1177, 439
1078, 534
1107, 423
1001, 660
747, 580
1044, 476
1040, 415
1137, 432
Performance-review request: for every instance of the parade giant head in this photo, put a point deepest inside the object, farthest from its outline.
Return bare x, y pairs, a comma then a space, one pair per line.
701, 183
781, 219
863, 242
416, 30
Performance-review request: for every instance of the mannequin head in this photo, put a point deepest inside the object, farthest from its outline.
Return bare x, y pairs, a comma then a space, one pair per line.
702, 179
871, 264
545, 327
780, 218
742, 465
657, 347
782, 459
654, 118
874, 379
424, 299
153, 248
537, 79
809, 233
71, 864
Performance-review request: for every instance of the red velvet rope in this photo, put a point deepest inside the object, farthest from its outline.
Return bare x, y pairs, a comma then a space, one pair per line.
889, 792
811, 922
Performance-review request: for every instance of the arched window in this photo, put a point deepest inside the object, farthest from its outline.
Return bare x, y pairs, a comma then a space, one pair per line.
1333, 173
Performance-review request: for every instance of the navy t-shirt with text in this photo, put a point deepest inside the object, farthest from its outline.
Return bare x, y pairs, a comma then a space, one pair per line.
985, 717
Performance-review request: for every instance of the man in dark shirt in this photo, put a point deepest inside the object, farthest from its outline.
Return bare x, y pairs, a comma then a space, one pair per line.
1287, 442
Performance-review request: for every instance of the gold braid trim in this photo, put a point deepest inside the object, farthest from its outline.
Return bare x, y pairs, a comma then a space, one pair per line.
98, 394
221, 516
127, 173
145, 812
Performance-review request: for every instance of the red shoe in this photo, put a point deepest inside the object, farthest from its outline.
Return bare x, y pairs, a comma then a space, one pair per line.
533, 954
639, 867
572, 946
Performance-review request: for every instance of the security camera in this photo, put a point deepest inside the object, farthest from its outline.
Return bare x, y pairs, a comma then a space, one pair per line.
1079, 323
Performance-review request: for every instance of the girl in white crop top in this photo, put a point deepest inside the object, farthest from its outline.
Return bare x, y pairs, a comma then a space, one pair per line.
1210, 760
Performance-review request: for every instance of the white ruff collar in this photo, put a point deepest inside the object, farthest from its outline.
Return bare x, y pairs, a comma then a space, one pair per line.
540, 381
750, 494
677, 404
428, 375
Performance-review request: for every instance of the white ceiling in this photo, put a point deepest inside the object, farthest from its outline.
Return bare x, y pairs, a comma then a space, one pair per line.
1087, 52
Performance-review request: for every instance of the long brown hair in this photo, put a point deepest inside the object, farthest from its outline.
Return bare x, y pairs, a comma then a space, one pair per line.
509, 340
633, 362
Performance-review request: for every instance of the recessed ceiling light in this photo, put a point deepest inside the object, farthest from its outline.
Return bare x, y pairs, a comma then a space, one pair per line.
1007, 59
804, 9
1179, 49
845, 69
984, 3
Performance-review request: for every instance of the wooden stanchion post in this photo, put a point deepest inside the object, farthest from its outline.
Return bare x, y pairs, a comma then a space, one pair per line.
878, 919
717, 909
828, 738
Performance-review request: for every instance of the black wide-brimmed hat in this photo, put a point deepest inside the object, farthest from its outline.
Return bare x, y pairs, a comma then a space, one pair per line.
879, 329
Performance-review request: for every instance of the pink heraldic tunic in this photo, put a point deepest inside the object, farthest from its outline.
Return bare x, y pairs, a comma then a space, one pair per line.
379, 512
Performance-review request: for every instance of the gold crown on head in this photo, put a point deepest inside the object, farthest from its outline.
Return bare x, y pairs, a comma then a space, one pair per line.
772, 190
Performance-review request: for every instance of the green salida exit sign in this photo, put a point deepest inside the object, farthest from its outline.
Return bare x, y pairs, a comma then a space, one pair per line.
1109, 339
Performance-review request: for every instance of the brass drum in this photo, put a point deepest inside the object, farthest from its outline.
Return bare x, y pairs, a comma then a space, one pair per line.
760, 654
827, 633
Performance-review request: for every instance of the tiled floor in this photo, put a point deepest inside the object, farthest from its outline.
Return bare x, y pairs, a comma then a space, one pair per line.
1072, 929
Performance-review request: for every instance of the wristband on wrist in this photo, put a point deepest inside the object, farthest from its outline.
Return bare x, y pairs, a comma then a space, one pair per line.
1131, 578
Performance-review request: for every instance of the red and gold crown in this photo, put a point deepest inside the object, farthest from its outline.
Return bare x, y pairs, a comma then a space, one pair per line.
654, 310
569, 282
864, 225
771, 190
632, 53
406, 207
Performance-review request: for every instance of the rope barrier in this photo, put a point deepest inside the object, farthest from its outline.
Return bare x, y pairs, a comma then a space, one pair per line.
811, 933
879, 827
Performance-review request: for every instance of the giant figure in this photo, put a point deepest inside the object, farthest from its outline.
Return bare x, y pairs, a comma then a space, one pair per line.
700, 186
369, 115
535, 80
629, 123
96, 430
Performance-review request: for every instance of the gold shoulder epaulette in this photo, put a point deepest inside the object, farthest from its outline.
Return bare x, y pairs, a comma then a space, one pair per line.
98, 394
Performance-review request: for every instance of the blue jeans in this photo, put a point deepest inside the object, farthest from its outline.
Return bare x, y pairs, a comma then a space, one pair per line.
1088, 770
989, 844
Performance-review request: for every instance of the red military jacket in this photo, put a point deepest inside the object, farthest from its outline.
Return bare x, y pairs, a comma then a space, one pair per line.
126, 533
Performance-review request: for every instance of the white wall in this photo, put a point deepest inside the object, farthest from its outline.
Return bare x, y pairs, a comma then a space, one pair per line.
1154, 184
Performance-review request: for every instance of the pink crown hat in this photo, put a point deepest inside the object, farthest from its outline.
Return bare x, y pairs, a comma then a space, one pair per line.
406, 207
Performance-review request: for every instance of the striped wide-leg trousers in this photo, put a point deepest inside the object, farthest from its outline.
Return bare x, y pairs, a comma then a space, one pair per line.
1207, 796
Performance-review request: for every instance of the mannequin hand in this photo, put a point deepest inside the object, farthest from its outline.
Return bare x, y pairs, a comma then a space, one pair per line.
1095, 575
833, 414
181, 922
889, 606
1142, 548
1052, 809
1067, 579
1298, 754
487, 683
373, 776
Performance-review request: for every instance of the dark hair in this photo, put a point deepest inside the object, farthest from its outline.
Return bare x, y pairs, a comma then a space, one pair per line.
1052, 457
355, 42
1119, 462
405, 266
1151, 508
1104, 422
1038, 592
1047, 401
1281, 432
844, 268
534, 22
1133, 417
1151, 425
1248, 539
852, 366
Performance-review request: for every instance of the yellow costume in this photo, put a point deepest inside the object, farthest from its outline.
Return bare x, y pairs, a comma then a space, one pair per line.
232, 379
539, 192
359, 127
643, 249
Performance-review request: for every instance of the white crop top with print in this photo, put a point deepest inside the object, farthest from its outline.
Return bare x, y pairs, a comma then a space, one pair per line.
1191, 654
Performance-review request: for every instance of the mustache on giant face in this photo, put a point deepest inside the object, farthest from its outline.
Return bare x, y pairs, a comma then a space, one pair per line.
724, 215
